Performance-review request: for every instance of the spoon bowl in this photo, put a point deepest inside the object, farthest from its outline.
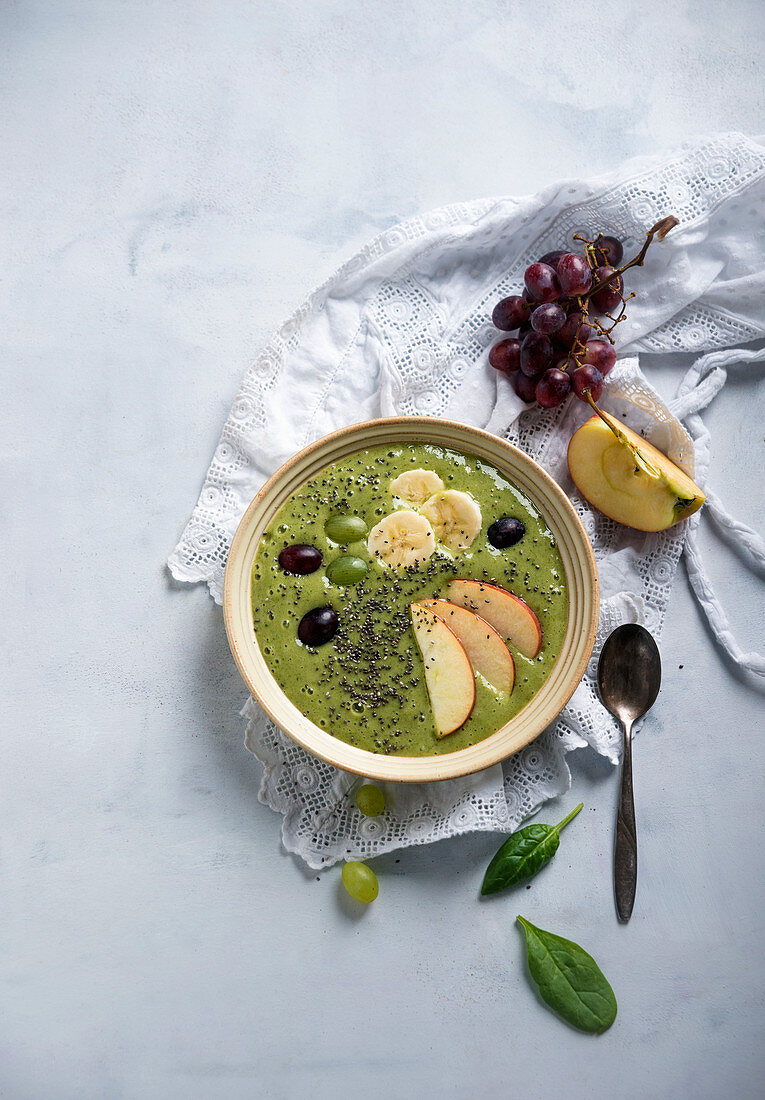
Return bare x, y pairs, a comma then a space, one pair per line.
629, 672
629, 678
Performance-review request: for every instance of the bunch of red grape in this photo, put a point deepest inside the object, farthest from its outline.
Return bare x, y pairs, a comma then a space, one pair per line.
560, 344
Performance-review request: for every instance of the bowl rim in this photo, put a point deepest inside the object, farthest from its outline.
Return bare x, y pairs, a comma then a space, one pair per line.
320, 743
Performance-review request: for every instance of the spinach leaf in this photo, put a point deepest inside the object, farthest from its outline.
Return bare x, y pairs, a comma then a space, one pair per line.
569, 980
523, 854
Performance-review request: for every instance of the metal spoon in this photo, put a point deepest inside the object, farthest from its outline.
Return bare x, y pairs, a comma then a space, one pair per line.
629, 678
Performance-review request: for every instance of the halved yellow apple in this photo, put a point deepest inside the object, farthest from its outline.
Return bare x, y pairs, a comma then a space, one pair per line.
486, 651
646, 491
506, 612
448, 672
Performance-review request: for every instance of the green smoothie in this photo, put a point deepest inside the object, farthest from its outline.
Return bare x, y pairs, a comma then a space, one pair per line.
366, 684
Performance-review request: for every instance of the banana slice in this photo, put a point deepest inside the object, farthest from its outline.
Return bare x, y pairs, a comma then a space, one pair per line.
456, 518
416, 485
402, 538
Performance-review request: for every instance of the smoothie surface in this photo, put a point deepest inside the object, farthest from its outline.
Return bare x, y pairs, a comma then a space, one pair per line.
366, 685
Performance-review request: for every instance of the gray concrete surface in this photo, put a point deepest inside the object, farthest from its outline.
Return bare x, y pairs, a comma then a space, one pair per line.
177, 177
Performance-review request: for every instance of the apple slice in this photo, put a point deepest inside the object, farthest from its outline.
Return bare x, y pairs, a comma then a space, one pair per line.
647, 492
486, 651
448, 672
507, 613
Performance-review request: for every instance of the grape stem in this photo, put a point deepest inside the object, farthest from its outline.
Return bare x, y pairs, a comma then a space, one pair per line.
659, 231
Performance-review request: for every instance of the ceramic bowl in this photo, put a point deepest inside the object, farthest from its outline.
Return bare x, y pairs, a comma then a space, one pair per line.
578, 562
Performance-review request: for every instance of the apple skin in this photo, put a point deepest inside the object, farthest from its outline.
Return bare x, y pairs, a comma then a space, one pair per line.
448, 673
605, 473
486, 651
510, 616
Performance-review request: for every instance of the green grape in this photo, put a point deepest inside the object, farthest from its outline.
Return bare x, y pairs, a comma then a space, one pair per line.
370, 800
346, 570
345, 529
360, 881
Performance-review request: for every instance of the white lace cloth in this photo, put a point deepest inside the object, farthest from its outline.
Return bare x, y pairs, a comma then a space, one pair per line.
404, 328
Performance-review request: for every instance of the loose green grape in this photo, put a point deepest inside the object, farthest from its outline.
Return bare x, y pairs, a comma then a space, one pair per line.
370, 800
347, 570
360, 881
345, 529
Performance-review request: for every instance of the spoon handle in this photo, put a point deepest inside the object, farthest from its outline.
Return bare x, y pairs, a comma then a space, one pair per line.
625, 848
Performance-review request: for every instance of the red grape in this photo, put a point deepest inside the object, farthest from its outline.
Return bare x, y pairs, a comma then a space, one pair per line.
536, 354
610, 249
600, 354
548, 318
318, 626
300, 559
552, 258
510, 313
553, 388
542, 283
524, 386
505, 532
568, 333
587, 379
506, 355
574, 274
608, 298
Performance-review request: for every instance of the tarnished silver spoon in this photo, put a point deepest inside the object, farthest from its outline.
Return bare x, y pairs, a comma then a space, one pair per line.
629, 678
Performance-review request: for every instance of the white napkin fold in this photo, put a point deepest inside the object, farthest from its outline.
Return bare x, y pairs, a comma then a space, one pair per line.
403, 328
